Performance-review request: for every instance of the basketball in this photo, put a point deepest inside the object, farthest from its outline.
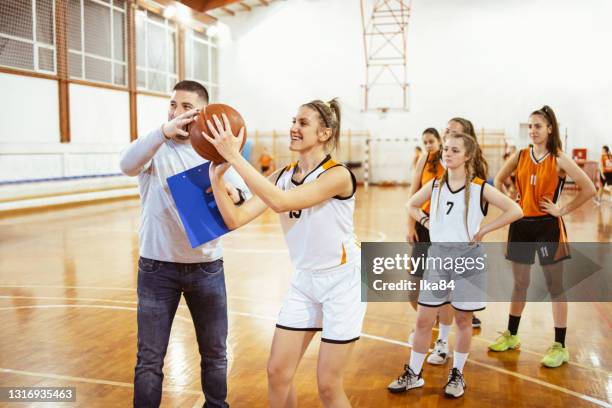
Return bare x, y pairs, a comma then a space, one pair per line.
203, 146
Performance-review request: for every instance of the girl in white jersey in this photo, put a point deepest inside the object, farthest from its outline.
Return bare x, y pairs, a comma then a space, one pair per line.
459, 203
315, 198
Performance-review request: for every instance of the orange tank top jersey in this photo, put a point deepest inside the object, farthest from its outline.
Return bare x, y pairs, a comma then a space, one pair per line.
606, 163
427, 175
535, 180
265, 160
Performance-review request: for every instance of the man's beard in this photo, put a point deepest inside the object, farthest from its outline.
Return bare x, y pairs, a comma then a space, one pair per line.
181, 137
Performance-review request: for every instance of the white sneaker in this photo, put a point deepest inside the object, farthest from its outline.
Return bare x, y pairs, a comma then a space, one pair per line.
439, 354
455, 386
406, 381
411, 338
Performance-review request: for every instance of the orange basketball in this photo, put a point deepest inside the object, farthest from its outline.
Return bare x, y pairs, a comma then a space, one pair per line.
203, 146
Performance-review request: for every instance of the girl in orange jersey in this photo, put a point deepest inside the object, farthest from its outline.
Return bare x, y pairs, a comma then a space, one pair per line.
540, 175
417, 155
605, 176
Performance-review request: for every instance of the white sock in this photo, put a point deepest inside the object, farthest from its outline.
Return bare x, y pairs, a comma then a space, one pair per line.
443, 331
459, 360
416, 361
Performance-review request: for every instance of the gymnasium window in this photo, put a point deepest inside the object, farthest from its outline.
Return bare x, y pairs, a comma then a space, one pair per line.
27, 35
156, 67
201, 60
97, 41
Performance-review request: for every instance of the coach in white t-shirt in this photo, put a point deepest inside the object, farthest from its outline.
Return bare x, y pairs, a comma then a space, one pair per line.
168, 266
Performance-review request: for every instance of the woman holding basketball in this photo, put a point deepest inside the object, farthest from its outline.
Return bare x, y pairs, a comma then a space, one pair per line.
540, 174
315, 198
459, 202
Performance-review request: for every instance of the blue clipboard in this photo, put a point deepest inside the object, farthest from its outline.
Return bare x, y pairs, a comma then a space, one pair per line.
198, 210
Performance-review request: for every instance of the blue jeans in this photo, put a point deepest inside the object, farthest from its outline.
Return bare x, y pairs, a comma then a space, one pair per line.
160, 285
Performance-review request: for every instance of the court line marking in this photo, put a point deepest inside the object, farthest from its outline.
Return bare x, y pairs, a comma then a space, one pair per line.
67, 287
478, 338
199, 402
230, 353
521, 349
545, 384
507, 372
129, 302
91, 380
184, 318
133, 309
365, 335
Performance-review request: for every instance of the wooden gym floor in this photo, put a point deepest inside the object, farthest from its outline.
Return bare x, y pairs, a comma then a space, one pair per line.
68, 313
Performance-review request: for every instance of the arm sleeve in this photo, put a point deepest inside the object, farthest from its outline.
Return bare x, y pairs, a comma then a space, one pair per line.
136, 158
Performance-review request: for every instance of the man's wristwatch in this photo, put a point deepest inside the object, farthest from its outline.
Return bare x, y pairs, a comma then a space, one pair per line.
242, 197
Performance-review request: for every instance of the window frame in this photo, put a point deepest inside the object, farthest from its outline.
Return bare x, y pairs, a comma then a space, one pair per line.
36, 44
190, 38
170, 28
83, 54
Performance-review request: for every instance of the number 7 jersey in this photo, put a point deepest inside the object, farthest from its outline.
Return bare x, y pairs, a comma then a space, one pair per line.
321, 236
447, 222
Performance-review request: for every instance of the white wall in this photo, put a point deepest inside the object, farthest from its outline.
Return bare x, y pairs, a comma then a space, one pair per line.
152, 112
491, 61
99, 115
30, 145
29, 110
27, 161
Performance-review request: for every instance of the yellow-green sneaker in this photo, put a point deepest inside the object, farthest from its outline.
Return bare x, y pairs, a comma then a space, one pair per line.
555, 356
505, 341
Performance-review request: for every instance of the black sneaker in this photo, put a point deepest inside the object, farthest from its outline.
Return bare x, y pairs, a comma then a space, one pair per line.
475, 322
406, 381
455, 386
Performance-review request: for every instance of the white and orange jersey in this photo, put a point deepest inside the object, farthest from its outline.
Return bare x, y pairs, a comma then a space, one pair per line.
321, 236
447, 221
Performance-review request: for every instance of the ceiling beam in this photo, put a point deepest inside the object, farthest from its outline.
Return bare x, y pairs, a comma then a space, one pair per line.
199, 16
207, 5
228, 11
264, 2
246, 6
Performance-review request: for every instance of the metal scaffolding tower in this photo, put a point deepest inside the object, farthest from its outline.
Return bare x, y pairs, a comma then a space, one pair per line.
384, 41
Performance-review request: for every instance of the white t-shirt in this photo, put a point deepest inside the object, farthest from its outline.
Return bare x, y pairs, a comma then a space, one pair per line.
162, 236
